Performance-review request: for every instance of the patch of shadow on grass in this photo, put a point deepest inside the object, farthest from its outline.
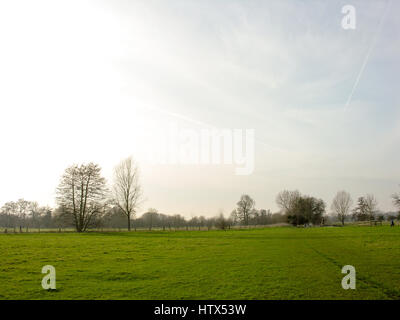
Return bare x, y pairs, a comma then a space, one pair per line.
392, 294
52, 290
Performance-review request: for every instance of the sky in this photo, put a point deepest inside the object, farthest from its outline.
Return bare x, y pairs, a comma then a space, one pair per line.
103, 80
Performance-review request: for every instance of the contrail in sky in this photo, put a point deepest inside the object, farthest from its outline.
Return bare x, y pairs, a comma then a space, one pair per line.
372, 46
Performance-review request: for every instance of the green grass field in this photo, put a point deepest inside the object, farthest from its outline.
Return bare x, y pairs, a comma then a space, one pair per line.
271, 263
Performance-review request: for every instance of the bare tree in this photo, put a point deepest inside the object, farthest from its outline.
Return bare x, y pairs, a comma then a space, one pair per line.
396, 200
23, 210
220, 221
287, 199
371, 206
127, 192
34, 213
82, 194
10, 210
202, 221
234, 217
341, 205
244, 208
360, 210
150, 217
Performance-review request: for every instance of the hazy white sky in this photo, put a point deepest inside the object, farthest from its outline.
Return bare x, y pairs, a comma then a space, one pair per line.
98, 80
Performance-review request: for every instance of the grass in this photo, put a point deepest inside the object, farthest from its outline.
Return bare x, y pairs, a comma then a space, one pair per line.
270, 263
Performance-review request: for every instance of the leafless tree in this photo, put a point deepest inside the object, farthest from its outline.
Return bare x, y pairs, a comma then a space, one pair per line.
341, 205
244, 208
220, 221
34, 213
10, 209
371, 205
150, 217
234, 217
127, 191
202, 221
396, 200
286, 200
23, 210
82, 193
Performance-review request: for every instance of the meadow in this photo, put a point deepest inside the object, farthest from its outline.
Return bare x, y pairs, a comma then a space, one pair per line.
270, 263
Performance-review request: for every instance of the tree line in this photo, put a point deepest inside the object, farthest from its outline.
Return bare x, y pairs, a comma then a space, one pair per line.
85, 201
302, 209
